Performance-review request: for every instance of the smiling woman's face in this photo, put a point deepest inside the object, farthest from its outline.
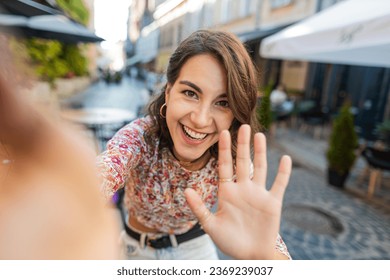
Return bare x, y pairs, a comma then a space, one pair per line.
197, 107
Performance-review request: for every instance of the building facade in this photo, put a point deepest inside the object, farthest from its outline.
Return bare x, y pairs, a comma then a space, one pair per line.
327, 84
173, 20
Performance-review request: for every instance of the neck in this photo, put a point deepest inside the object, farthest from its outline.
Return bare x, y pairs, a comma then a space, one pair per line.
195, 164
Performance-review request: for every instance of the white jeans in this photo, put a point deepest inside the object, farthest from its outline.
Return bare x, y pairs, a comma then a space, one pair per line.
200, 248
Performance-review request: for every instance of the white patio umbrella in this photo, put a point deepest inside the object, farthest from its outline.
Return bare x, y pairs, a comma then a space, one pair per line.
355, 32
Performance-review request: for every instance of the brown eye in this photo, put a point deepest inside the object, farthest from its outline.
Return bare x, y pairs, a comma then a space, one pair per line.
223, 103
190, 93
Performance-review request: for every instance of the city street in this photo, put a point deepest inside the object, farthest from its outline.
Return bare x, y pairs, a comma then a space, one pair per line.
322, 222
130, 94
319, 222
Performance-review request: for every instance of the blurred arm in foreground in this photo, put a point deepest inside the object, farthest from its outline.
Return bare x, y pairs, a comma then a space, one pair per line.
50, 205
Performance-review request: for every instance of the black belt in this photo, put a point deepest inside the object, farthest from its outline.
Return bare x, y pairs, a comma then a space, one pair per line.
165, 241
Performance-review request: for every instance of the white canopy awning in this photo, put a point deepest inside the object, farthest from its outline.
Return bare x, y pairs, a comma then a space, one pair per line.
355, 32
57, 27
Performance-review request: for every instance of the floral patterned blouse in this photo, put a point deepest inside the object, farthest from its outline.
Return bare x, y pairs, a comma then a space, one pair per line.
155, 181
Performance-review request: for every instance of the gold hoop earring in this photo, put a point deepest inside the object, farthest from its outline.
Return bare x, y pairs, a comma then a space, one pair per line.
161, 110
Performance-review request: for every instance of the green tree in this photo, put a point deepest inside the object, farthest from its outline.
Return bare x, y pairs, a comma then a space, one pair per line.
343, 142
73, 54
46, 57
264, 113
75, 9
77, 63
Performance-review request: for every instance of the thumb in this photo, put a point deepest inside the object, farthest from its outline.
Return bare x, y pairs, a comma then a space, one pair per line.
200, 210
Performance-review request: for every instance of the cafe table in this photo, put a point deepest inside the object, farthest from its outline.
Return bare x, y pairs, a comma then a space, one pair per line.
102, 122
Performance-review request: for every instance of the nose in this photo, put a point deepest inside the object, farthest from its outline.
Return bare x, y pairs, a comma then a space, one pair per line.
201, 116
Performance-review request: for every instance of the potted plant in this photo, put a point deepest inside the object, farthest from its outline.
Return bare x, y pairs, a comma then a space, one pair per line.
384, 132
343, 142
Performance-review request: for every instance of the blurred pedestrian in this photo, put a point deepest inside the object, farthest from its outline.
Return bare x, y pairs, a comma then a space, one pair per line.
171, 156
278, 96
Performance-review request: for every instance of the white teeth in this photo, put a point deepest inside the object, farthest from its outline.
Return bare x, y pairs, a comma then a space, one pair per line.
193, 134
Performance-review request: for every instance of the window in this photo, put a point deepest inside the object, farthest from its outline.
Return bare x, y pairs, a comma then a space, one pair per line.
275, 4
166, 37
245, 6
224, 11
179, 33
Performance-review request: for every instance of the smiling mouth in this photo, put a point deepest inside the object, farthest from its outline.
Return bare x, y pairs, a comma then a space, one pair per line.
193, 134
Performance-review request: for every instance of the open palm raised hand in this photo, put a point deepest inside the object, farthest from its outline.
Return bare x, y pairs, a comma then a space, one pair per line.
247, 221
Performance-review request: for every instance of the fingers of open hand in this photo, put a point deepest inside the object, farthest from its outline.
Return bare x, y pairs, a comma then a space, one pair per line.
243, 159
198, 208
260, 159
225, 162
282, 178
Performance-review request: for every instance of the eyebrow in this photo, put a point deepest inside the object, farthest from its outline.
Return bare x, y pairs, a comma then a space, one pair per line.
190, 84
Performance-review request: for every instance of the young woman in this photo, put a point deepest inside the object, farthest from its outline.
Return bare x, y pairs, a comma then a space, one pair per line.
171, 156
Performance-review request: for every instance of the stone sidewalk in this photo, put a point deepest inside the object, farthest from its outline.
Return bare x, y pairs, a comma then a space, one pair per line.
322, 222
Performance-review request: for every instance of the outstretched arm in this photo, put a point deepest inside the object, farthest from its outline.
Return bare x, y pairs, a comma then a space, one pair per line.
247, 221
49, 186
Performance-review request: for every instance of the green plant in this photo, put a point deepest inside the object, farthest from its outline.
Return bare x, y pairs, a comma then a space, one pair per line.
384, 131
75, 9
343, 142
73, 54
77, 63
52, 59
46, 58
264, 113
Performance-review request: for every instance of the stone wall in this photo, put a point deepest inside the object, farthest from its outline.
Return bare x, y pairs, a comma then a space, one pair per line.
44, 93
65, 88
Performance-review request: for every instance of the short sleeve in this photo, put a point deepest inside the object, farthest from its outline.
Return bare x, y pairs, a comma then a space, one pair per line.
123, 153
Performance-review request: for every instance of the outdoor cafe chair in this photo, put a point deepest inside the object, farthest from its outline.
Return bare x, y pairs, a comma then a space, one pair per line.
378, 160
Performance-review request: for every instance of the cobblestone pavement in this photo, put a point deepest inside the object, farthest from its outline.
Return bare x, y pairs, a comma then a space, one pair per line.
322, 222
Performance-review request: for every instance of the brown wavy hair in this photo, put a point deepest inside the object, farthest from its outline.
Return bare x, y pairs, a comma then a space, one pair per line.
241, 82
